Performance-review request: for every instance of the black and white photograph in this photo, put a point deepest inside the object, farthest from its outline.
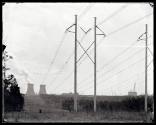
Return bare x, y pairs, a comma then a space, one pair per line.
77, 62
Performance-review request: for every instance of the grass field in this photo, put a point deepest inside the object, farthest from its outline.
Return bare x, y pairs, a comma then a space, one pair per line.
60, 116
52, 111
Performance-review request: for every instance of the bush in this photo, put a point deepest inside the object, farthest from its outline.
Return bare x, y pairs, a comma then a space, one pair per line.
135, 103
68, 104
86, 105
103, 105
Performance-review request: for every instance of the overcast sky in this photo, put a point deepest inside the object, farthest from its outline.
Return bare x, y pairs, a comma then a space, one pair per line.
34, 31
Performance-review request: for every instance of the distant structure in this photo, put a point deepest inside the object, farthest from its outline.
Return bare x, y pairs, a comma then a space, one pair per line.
30, 89
42, 90
69, 94
132, 93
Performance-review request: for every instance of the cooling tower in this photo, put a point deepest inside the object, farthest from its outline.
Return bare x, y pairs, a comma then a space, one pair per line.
42, 89
30, 89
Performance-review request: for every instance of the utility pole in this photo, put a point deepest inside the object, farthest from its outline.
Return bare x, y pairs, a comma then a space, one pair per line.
146, 47
146, 71
75, 67
94, 64
85, 52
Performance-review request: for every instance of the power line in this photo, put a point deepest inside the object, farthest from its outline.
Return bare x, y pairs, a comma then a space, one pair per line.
137, 81
126, 84
53, 59
130, 65
63, 81
85, 11
66, 62
129, 24
121, 62
106, 18
63, 66
125, 26
121, 28
120, 71
70, 74
121, 83
117, 56
124, 81
68, 59
117, 30
113, 14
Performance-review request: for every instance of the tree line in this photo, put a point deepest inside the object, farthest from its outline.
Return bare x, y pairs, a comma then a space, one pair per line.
13, 99
134, 103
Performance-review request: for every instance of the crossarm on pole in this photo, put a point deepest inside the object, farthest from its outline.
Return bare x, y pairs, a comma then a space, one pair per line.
140, 37
69, 28
101, 31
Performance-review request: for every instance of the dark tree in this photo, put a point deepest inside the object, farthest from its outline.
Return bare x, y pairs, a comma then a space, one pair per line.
67, 104
13, 99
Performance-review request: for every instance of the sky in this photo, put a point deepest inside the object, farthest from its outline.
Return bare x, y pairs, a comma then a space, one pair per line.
43, 53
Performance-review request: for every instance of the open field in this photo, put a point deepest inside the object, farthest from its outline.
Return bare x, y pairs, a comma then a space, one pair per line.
57, 116
52, 111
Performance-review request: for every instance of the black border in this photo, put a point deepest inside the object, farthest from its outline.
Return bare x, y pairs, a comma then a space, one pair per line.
53, 1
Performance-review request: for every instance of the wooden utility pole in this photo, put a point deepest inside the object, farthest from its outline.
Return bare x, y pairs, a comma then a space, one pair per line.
85, 52
146, 71
94, 64
75, 67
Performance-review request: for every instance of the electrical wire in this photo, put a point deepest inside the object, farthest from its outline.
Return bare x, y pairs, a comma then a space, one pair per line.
124, 81
121, 62
85, 11
54, 58
120, 71
66, 62
123, 27
113, 14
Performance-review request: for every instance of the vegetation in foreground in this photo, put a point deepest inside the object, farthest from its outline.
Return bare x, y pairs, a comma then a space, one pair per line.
57, 109
76, 117
13, 99
131, 104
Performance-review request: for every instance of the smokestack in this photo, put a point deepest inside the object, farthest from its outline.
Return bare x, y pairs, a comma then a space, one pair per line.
42, 89
30, 89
